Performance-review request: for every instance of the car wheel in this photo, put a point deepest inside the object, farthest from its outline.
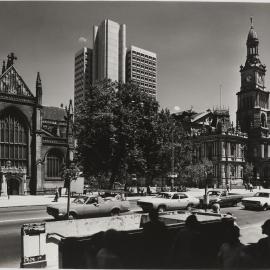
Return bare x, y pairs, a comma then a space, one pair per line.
161, 209
115, 212
234, 203
189, 206
72, 215
265, 207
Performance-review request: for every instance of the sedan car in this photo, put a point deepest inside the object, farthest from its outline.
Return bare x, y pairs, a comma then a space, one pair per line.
261, 200
90, 206
223, 198
166, 201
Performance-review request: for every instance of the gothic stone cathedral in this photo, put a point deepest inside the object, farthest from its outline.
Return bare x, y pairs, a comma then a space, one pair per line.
33, 137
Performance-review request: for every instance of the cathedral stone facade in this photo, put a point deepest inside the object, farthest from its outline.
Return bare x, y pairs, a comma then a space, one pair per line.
34, 139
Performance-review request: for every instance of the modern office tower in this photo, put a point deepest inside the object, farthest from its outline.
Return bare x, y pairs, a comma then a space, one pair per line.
109, 51
142, 69
83, 75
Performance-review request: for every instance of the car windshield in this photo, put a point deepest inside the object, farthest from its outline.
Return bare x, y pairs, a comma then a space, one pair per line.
262, 194
80, 200
164, 195
214, 193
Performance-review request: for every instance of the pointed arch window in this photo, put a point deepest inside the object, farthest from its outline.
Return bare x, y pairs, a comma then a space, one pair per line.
54, 164
13, 140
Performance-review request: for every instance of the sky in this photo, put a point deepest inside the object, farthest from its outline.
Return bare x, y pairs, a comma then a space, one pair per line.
199, 46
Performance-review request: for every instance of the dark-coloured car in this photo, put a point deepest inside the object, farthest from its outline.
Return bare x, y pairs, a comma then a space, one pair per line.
223, 198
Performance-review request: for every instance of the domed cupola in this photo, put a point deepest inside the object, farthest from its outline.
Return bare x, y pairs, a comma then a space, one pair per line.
252, 35
252, 47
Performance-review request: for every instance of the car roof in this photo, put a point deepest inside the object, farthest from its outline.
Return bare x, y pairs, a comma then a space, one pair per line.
172, 192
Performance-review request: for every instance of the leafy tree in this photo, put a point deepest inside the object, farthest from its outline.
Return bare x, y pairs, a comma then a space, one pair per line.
69, 173
120, 131
112, 125
200, 172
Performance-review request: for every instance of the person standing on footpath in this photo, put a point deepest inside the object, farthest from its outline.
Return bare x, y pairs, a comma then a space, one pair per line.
228, 188
56, 196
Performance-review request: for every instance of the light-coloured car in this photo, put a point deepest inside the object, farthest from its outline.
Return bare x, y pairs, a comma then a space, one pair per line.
166, 201
260, 200
90, 206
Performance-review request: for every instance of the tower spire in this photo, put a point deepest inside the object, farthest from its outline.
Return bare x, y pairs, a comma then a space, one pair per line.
39, 89
251, 21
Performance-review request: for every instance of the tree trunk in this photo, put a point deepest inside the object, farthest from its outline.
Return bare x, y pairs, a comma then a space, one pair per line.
112, 180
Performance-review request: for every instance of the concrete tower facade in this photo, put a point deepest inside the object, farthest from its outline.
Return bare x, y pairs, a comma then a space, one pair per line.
141, 67
109, 51
83, 75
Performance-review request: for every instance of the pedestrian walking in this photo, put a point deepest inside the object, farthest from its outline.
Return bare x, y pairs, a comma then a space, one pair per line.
250, 187
56, 196
228, 187
60, 191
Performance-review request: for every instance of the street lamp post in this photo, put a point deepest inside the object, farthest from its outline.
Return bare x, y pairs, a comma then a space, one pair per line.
172, 168
206, 200
69, 158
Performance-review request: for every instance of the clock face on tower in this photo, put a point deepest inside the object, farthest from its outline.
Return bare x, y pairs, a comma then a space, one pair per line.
248, 78
260, 78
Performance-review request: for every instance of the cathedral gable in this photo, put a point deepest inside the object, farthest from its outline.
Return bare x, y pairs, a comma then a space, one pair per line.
12, 83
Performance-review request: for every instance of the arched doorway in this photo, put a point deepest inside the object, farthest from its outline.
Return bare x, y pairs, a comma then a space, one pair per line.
13, 186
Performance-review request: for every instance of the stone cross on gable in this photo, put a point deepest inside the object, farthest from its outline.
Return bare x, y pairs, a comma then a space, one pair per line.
11, 58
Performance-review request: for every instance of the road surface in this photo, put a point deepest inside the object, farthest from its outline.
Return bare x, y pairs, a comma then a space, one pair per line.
11, 220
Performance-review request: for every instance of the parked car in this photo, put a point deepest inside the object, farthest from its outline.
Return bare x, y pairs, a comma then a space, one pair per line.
90, 206
166, 201
261, 200
223, 198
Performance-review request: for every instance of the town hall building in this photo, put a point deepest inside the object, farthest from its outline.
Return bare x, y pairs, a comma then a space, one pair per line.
34, 139
230, 147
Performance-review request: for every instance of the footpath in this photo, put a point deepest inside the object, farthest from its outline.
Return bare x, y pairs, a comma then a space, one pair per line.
31, 200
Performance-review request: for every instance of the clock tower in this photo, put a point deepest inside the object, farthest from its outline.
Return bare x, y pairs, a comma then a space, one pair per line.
253, 114
253, 98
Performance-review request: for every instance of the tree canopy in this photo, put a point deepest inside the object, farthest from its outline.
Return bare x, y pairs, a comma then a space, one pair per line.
120, 131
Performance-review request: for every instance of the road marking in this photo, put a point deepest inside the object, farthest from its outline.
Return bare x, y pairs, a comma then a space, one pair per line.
22, 219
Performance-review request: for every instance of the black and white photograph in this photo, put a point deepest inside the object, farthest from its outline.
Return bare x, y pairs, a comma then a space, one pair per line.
134, 135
